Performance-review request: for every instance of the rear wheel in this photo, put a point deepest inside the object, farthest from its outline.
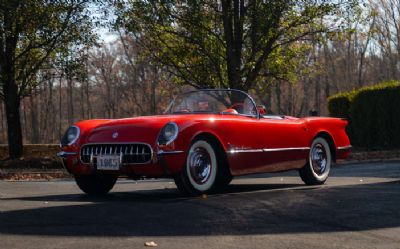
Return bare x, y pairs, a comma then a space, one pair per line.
205, 169
318, 165
99, 184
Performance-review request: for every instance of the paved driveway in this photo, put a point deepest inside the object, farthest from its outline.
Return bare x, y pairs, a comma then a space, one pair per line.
358, 207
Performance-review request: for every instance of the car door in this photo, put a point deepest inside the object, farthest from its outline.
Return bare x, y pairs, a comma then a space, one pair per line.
277, 144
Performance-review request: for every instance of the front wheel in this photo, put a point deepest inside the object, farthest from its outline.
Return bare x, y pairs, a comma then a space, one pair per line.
96, 184
318, 165
200, 171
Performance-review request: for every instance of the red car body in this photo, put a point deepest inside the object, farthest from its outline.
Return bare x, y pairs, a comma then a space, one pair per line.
251, 144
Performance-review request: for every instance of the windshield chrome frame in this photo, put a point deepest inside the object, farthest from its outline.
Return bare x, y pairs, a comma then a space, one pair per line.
257, 115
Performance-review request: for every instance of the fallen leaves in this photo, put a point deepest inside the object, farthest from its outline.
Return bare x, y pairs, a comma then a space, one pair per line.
29, 176
150, 244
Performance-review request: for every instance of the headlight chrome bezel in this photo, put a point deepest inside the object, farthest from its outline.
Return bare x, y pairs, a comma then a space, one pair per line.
167, 141
65, 141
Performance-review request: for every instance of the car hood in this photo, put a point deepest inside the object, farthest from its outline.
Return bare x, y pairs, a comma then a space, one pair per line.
140, 129
144, 129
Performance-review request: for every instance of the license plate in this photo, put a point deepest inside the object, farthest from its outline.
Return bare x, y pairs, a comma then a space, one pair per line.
108, 162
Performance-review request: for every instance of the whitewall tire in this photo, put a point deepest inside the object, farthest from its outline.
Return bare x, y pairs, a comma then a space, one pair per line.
319, 162
201, 166
199, 173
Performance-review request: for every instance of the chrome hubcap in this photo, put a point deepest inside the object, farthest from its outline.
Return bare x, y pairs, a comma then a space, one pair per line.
200, 165
319, 159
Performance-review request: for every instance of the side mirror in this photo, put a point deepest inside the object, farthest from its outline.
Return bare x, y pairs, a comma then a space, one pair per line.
261, 109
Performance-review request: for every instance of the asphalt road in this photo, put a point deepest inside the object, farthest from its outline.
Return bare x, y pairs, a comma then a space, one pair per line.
358, 207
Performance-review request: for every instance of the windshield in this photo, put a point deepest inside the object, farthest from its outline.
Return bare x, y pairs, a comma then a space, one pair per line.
213, 101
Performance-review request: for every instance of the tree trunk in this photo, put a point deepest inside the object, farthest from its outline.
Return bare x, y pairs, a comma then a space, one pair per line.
233, 38
12, 102
87, 96
88, 105
3, 136
327, 71
278, 97
82, 101
10, 88
327, 87
24, 120
34, 118
70, 102
45, 112
52, 111
290, 102
60, 114
305, 100
153, 91
317, 95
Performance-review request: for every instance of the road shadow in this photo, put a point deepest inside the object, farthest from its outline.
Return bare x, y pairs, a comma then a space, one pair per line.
153, 195
390, 169
243, 209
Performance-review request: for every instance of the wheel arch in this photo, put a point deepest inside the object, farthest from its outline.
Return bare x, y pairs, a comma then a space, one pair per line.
216, 142
328, 137
209, 136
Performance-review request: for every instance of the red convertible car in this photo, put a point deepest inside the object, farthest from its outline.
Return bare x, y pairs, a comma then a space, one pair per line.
202, 141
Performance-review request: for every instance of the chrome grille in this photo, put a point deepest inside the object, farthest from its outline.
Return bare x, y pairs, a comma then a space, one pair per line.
130, 153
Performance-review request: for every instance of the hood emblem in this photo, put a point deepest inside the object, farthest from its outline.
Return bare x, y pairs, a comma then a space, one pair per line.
115, 135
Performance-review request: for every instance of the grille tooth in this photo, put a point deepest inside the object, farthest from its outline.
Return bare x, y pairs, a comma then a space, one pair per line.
129, 153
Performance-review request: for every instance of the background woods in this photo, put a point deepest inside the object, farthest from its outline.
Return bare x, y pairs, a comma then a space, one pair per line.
291, 54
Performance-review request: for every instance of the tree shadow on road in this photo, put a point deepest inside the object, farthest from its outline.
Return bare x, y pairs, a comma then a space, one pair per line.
154, 195
243, 209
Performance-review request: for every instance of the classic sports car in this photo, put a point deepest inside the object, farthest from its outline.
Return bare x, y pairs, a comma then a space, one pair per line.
202, 141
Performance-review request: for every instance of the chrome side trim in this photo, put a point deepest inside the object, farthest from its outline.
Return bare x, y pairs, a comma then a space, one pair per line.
286, 149
161, 152
233, 151
344, 147
65, 154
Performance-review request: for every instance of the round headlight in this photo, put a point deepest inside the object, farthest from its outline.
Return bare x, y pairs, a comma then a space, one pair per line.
70, 136
168, 134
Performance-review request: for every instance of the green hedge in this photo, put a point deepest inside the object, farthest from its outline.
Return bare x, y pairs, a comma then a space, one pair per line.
374, 115
339, 104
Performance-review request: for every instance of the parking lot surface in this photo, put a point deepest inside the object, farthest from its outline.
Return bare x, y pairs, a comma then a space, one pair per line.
358, 207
